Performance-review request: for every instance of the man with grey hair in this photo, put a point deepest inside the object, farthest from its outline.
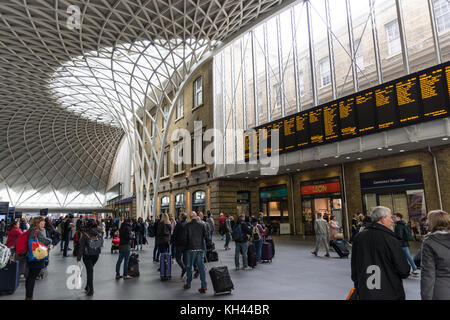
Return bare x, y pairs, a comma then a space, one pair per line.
322, 232
378, 262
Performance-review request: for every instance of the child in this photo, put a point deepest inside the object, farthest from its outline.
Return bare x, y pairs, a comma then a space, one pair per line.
115, 242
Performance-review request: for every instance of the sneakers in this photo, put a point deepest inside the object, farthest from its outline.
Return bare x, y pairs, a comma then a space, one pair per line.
202, 290
186, 286
118, 277
127, 277
237, 269
314, 253
248, 268
327, 255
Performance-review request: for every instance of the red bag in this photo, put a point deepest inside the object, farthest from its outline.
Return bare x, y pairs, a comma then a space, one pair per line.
22, 243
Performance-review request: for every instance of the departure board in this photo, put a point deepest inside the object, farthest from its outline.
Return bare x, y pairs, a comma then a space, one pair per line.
366, 112
385, 99
316, 126
347, 117
418, 97
331, 122
433, 92
408, 100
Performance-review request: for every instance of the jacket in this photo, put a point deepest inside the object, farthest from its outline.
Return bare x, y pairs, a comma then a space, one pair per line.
400, 233
42, 238
139, 227
13, 234
83, 243
245, 229
163, 233
195, 235
67, 227
178, 234
125, 236
321, 227
377, 251
211, 224
435, 278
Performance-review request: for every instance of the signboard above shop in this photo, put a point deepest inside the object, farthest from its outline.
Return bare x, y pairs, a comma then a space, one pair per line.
406, 177
331, 187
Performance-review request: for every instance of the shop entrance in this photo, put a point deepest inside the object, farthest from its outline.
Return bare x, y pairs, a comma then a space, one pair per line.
327, 206
274, 206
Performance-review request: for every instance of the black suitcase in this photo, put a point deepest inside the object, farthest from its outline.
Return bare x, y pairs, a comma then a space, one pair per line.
341, 248
270, 240
211, 256
133, 265
9, 277
165, 266
221, 280
251, 254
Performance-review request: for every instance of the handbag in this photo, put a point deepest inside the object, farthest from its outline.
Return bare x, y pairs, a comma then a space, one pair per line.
37, 251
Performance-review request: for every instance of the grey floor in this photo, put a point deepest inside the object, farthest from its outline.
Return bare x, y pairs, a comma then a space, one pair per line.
294, 274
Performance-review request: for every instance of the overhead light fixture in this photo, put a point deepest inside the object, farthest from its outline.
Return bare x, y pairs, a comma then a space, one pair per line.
298, 170
359, 158
390, 149
445, 139
347, 158
326, 165
336, 157
402, 150
380, 148
288, 169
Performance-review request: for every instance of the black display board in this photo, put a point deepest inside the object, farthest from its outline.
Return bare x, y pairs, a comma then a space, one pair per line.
418, 97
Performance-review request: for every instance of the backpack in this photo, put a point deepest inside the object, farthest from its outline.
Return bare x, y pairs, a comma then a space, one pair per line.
22, 243
93, 245
408, 235
256, 235
5, 254
238, 234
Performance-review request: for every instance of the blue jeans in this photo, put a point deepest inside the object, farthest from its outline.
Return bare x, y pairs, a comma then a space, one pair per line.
241, 247
258, 248
156, 253
173, 250
122, 256
195, 258
410, 259
211, 235
66, 244
138, 239
227, 239
319, 239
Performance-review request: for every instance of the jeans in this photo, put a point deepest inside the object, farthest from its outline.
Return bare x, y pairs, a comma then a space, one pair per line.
106, 233
122, 256
241, 247
410, 259
31, 280
156, 253
227, 239
181, 258
173, 250
1, 237
66, 244
89, 262
319, 239
211, 235
195, 258
258, 248
138, 239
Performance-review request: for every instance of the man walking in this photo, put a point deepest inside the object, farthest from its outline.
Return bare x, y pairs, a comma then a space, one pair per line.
210, 221
178, 240
378, 262
67, 229
321, 230
195, 235
240, 232
402, 234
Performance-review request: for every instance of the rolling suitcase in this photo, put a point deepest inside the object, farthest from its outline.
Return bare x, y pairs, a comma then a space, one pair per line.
9, 277
341, 248
211, 256
270, 240
221, 280
251, 254
133, 265
165, 266
266, 252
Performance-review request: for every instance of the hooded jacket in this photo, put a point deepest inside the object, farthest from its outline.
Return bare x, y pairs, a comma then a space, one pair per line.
435, 279
378, 264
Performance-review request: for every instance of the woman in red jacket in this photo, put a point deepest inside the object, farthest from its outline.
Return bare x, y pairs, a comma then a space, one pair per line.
13, 233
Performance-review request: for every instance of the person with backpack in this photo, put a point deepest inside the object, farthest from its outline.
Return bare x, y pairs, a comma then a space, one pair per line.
124, 249
90, 244
222, 219
240, 234
36, 231
404, 235
257, 233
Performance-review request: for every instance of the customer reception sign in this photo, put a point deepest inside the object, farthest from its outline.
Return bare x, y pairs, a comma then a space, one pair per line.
331, 187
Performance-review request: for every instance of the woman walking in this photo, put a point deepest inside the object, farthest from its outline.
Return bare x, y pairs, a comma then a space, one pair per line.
36, 231
435, 264
90, 243
163, 234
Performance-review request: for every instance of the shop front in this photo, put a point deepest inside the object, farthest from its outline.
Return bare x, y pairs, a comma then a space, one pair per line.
243, 203
322, 196
180, 205
199, 201
165, 204
274, 206
401, 190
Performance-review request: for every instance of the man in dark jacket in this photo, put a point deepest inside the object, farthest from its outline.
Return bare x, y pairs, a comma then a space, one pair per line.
67, 229
195, 236
156, 248
178, 239
378, 261
124, 249
241, 242
401, 234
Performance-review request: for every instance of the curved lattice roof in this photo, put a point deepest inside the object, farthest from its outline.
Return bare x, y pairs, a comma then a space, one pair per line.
73, 75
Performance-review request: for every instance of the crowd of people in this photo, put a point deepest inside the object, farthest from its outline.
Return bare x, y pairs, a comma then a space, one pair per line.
380, 256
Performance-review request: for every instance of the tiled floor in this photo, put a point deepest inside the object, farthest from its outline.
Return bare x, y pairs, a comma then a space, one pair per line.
294, 274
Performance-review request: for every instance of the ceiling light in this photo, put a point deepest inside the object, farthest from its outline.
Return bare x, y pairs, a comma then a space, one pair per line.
402, 150
380, 148
298, 170
347, 158
288, 169
445, 139
336, 157
326, 165
359, 158
390, 149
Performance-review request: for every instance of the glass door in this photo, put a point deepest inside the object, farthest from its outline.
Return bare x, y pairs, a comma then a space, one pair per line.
307, 217
401, 205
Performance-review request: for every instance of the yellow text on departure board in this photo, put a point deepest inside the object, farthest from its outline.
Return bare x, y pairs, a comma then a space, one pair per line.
404, 91
289, 126
428, 84
382, 97
330, 121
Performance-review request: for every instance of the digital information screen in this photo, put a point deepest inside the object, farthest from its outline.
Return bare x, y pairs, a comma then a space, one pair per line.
418, 97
